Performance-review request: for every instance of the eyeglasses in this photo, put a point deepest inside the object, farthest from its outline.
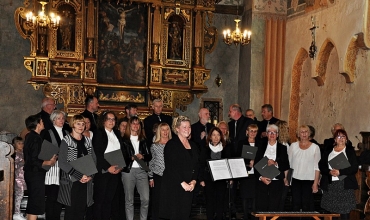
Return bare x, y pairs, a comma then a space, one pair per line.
253, 131
341, 137
271, 132
111, 119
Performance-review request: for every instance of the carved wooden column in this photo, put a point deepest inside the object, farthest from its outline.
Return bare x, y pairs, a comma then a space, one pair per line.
198, 39
6, 185
156, 34
90, 29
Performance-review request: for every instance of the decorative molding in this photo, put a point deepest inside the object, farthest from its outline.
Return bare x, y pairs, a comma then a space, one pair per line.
301, 57
322, 59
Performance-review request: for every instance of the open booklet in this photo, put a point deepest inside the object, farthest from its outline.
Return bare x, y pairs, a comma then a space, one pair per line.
227, 168
339, 162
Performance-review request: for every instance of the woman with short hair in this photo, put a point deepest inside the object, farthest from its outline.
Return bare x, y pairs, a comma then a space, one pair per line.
76, 188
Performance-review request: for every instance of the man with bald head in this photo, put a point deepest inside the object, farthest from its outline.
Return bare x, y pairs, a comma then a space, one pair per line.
200, 129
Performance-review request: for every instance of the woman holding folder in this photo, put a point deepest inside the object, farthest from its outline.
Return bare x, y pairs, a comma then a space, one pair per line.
34, 173
339, 184
269, 189
214, 190
76, 188
137, 157
106, 139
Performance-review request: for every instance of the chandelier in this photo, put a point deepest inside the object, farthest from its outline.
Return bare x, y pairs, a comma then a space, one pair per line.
42, 20
237, 36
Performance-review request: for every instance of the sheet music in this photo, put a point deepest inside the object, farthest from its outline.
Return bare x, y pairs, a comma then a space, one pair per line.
219, 169
237, 168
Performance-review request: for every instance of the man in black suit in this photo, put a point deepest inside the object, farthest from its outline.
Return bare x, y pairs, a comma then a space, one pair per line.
237, 132
156, 118
92, 106
249, 113
200, 129
267, 113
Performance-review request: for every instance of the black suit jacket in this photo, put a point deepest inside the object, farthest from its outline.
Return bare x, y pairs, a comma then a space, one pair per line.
56, 135
262, 125
241, 126
93, 119
281, 158
198, 128
150, 121
100, 143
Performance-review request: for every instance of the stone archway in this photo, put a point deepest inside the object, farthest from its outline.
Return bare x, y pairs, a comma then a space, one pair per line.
294, 92
322, 62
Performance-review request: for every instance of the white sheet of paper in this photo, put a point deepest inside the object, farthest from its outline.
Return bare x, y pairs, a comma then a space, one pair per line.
237, 168
219, 169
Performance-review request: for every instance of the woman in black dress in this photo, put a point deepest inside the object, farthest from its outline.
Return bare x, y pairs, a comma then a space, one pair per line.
34, 174
180, 174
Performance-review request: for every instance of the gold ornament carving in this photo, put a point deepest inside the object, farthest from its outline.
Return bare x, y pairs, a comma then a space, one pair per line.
182, 99
200, 76
66, 69
176, 76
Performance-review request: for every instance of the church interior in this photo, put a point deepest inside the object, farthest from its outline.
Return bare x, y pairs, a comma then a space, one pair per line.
307, 58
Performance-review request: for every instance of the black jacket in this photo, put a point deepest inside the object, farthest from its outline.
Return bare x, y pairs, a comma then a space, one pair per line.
129, 152
350, 181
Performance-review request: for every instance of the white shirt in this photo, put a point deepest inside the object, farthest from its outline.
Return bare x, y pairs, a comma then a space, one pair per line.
304, 162
331, 156
270, 152
113, 143
135, 143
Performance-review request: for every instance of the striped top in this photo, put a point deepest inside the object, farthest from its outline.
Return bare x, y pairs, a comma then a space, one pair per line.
156, 165
53, 175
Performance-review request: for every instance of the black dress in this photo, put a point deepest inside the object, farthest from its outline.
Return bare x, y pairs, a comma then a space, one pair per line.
181, 165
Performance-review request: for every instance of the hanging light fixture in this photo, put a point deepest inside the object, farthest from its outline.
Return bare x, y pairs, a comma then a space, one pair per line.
237, 36
42, 20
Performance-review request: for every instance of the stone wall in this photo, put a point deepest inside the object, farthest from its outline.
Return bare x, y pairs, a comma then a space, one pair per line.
18, 99
336, 100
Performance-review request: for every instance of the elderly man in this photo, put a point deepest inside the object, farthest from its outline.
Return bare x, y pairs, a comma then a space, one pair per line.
156, 118
249, 113
200, 129
267, 113
47, 107
92, 106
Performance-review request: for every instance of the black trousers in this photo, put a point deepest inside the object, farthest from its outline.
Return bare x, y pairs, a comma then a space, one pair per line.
52, 207
268, 197
156, 193
302, 197
118, 211
105, 186
78, 207
215, 195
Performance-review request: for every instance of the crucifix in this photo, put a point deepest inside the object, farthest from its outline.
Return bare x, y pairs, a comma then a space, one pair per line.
313, 48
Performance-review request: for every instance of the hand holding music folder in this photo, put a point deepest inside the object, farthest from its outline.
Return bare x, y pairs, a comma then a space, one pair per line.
265, 170
84, 165
249, 152
227, 168
142, 164
48, 150
339, 162
115, 158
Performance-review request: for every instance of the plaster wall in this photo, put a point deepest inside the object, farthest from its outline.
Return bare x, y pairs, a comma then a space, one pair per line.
336, 100
224, 60
18, 99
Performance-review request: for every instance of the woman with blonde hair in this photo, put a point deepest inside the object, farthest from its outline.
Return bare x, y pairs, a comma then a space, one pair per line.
224, 127
156, 165
181, 171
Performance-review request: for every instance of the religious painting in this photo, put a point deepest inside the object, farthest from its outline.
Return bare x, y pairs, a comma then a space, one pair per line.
122, 46
114, 96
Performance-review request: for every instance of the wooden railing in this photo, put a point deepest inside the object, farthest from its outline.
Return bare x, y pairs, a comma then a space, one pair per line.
7, 182
276, 215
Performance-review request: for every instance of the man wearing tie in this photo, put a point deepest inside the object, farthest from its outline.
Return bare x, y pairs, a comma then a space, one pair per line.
92, 105
267, 113
156, 118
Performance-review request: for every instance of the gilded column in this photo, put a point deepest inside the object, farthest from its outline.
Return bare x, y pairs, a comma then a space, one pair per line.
90, 29
156, 34
198, 38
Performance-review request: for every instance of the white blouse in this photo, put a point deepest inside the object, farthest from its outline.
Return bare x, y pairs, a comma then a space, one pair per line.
304, 162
